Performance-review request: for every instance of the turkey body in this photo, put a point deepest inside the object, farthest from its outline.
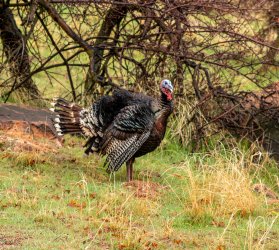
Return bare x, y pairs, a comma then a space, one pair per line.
156, 136
123, 126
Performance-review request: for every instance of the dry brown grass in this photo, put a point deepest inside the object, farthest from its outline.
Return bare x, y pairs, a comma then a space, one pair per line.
223, 188
257, 239
221, 193
180, 126
187, 117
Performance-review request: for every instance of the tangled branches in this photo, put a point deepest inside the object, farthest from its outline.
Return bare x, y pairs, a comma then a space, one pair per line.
252, 115
86, 47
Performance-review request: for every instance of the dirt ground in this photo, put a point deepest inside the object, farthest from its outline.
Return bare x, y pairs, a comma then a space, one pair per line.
24, 128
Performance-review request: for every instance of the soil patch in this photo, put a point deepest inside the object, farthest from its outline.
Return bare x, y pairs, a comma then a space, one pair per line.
25, 128
145, 189
8, 241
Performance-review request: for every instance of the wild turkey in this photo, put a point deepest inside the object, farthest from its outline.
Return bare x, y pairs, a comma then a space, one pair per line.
122, 126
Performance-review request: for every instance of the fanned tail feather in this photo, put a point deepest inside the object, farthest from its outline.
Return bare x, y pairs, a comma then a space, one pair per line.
72, 119
67, 119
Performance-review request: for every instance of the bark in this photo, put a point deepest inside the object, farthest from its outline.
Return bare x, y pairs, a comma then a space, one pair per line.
273, 27
14, 47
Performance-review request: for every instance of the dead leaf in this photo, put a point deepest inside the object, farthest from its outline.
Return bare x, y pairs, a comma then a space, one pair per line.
218, 223
151, 245
178, 242
121, 246
177, 176
55, 197
92, 195
154, 244
75, 204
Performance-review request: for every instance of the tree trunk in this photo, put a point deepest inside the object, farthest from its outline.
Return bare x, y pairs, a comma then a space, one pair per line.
14, 47
113, 18
273, 27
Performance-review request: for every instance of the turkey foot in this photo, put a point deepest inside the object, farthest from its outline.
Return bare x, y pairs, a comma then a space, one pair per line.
129, 168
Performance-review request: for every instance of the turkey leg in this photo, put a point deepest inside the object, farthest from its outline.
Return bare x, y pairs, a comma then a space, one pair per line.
129, 168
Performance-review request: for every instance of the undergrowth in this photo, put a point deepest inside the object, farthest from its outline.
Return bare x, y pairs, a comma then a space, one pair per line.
180, 200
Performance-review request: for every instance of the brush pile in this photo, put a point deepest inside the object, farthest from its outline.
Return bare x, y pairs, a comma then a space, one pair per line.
254, 115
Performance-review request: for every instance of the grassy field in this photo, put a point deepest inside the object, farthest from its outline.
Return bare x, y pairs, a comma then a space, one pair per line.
179, 200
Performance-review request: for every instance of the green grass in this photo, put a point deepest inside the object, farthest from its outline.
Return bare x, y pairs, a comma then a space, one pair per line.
65, 201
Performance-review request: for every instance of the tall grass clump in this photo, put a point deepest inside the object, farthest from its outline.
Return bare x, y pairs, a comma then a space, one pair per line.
222, 186
186, 123
181, 127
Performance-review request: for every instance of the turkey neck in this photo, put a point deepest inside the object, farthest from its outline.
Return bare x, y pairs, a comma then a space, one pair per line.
166, 108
